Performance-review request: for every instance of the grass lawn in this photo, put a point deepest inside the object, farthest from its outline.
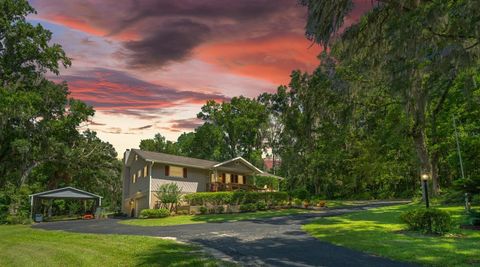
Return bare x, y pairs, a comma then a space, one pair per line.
379, 232
23, 246
189, 219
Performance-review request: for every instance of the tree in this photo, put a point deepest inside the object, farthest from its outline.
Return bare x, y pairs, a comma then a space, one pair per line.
159, 144
241, 121
414, 48
40, 143
208, 143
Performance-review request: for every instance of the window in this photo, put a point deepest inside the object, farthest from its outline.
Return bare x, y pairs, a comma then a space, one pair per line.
139, 173
228, 178
145, 171
176, 171
134, 178
241, 179
136, 157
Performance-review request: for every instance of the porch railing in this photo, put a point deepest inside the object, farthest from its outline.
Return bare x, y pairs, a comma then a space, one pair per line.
217, 186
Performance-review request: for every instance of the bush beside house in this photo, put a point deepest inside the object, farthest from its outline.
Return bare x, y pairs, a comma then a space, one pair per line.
231, 202
155, 213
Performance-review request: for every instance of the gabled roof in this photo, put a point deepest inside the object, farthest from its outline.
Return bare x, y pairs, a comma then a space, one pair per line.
194, 162
250, 165
66, 192
175, 160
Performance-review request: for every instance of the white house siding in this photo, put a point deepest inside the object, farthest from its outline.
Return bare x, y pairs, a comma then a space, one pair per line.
138, 189
196, 180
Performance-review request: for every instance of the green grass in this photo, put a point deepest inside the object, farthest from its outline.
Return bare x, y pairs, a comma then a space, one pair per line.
211, 218
24, 246
379, 232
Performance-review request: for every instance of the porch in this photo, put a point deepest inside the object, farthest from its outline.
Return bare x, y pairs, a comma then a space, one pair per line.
219, 186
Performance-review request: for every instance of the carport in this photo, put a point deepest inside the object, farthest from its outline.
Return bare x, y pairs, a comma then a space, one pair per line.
62, 193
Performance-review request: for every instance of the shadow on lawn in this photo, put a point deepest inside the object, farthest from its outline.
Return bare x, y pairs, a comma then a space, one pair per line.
174, 254
377, 231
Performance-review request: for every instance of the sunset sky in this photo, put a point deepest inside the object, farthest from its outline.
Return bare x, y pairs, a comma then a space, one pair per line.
148, 66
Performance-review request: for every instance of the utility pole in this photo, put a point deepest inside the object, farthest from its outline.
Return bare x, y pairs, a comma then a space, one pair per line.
467, 203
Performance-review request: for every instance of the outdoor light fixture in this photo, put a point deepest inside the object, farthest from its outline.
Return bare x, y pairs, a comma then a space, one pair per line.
425, 177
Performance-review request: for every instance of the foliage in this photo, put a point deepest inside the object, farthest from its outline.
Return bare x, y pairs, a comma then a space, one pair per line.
169, 195
159, 144
473, 218
249, 207
203, 210
261, 205
270, 182
301, 193
41, 145
241, 121
416, 50
428, 221
155, 213
235, 198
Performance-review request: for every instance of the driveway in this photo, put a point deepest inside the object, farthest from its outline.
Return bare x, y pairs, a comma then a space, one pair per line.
264, 242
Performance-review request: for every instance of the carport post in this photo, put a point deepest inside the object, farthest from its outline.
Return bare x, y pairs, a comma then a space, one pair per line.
31, 207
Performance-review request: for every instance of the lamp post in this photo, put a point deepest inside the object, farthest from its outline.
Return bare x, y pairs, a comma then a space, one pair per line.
425, 177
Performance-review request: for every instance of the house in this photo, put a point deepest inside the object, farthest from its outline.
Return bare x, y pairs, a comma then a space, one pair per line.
144, 172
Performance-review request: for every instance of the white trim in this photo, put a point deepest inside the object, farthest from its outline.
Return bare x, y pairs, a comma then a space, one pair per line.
150, 184
241, 159
65, 188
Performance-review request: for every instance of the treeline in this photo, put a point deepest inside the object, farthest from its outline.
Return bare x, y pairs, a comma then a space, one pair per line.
337, 139
42, 144
377, 113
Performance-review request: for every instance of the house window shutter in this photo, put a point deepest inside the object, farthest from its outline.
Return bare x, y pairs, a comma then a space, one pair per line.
167, 170
224, 177
184, 172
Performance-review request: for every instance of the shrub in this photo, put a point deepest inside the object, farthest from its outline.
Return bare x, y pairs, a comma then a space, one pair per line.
203, 210
169, 195
261, 205
155, 213
235, 198
17, 219
301, 194
248, 207
427, 221
473, 218
219, 209
276, 198
182, 212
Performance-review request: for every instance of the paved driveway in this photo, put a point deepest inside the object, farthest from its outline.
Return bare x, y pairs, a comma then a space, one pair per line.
264, 242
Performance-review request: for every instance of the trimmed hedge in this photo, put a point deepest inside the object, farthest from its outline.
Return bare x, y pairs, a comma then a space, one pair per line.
250, 207
427, 221
235, 198
155, 213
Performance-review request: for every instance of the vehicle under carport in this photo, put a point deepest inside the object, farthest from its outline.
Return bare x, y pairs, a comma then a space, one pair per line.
37, 202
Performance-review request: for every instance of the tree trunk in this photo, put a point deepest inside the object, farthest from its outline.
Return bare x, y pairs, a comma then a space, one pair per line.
421, 149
